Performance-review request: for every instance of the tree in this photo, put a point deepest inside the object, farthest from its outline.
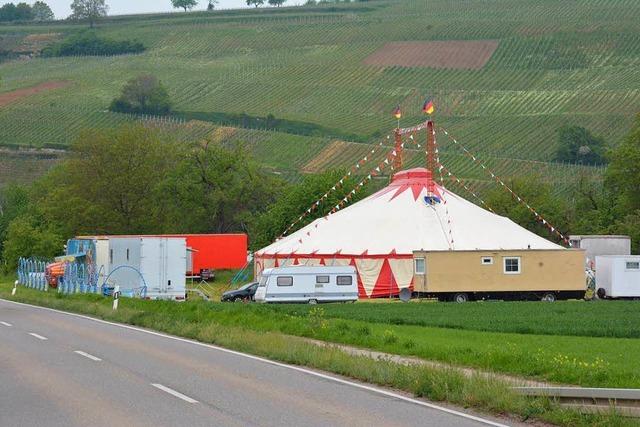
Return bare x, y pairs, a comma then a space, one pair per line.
265, 228
109, 184
277, 3
42, 12
26, 237
91, 10
255, 3
218, 190
577, 145
14, 201
142, 95
185, 4
538, 194
23, 12
212, 5
8, 13
623, 173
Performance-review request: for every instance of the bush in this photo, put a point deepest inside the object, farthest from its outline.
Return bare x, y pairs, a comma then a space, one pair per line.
89, 44
142, 95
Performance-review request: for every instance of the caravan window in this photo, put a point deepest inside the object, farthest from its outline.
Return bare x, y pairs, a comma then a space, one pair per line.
419, 266
322, 279
284, 281
633, 265
512, 265
344, 280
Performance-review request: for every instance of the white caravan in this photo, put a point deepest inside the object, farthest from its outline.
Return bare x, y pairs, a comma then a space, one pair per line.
618, 276
305, 284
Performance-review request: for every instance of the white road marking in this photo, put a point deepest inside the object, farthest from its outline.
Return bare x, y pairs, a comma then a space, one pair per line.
174, 393
40, 337
5, 324
274, 363
88, 356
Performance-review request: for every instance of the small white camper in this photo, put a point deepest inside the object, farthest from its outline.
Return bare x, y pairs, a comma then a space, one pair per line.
306, 284
618, 276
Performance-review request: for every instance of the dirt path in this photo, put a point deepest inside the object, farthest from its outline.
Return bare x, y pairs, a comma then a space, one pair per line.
16, 95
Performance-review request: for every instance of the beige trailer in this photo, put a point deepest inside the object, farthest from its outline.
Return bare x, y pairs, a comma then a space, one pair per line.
501, 274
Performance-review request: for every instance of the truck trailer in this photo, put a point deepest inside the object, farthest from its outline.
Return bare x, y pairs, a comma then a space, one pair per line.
618, 277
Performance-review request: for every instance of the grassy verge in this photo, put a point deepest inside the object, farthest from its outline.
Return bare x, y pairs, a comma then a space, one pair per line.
196, 320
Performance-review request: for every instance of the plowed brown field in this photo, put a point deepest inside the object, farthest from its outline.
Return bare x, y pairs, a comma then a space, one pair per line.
463, 54
16, 95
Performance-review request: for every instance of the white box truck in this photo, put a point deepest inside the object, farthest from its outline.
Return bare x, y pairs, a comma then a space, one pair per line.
618, 276
159, 263
308, 284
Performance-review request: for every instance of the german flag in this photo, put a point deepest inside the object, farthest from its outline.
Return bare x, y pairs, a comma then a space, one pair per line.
428, 107
397, 113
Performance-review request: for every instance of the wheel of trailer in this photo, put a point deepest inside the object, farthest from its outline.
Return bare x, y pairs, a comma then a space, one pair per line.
548, 297
602, 294
461, 298
313, 301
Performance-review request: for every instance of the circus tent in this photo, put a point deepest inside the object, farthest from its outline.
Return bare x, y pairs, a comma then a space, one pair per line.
379, 234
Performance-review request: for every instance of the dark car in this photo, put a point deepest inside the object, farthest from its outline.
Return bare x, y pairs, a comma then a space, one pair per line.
244, 293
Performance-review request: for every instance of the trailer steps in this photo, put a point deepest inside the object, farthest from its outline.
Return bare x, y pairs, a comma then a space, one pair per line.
625, 401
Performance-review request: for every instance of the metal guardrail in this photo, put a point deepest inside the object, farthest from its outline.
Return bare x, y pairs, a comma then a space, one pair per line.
625, 401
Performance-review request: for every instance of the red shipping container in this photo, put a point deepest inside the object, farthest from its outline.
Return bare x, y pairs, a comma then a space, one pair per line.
217, 251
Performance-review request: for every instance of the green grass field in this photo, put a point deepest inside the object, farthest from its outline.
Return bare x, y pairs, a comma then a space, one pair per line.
556, 63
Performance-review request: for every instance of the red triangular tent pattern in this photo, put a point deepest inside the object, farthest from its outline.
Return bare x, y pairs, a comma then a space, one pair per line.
361, 292
386, 284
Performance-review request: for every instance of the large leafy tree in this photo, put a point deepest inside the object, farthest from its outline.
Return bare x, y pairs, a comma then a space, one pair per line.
277, 3
24, 12
8, 12
184, 4
218, 190
255, 3
90, 10
42, 11
108, 186
142, 94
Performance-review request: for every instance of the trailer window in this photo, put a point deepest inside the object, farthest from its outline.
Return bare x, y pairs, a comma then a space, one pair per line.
512, 265
344, 280
127, 254
111, 256
487, 260
284, 281
322, 279
419, 265
633, 265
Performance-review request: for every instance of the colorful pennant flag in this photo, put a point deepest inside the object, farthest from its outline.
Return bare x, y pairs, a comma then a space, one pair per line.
397, 112
428, 107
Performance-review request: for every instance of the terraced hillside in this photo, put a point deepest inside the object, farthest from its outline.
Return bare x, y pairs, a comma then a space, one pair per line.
505, 75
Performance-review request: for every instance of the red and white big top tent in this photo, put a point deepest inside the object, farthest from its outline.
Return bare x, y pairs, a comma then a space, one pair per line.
379, 234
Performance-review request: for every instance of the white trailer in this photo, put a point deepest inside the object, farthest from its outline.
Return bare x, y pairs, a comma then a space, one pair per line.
601, 245
618, 276
308, 284
157, 263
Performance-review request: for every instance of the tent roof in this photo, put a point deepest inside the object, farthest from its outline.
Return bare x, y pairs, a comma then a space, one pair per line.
412, 213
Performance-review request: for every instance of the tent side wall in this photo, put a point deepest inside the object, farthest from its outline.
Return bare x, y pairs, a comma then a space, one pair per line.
485, 271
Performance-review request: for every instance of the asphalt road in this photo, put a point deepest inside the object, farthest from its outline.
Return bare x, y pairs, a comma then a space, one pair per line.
58, 369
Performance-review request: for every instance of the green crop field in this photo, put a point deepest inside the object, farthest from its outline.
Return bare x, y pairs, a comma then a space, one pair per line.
620, 319
555, 63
